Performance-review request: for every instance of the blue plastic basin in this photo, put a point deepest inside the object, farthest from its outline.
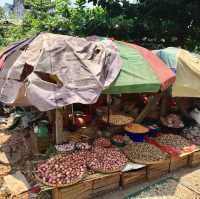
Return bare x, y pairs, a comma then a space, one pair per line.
136, 137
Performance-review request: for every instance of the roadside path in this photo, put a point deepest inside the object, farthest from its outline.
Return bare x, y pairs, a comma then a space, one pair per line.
188, 179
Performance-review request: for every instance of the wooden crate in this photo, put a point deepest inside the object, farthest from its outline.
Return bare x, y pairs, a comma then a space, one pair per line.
102, 183
134, 176
91, 186
194, 159
157, 170
81, 190
178, 162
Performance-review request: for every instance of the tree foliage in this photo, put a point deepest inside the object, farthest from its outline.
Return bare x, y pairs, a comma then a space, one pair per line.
152, 23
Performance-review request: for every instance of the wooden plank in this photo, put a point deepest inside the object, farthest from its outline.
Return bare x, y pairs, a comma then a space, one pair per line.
56, 194
194, 159
105, 189
178, 162
82, 190
59, 126
157, 170
132, 177
89, 187
106, 181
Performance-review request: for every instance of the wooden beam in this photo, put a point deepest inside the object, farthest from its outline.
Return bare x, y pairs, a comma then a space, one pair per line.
59, 126
152, 103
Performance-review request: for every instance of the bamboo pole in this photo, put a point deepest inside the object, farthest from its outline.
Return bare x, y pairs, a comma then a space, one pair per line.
151, 104
59, 126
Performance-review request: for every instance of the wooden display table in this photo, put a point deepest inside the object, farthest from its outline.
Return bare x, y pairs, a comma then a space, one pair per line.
178, 162
91, 186
157, 170
133, 176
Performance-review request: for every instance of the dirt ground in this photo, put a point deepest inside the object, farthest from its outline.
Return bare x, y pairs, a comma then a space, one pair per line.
189, 178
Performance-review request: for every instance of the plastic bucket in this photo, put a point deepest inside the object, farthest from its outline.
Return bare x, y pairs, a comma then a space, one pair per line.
136, 137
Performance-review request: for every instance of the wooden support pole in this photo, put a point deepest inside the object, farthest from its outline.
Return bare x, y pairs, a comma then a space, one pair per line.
163, 106
51, 116
152, 103
59, 126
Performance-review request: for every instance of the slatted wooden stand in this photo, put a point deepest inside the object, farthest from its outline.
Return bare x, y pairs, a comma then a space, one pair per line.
194, 159
104, 183
133, 176
80, 190
178, 162
157, 170
90, 187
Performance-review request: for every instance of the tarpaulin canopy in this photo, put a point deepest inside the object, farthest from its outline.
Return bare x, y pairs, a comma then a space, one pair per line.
141, 71
56, 70
187, 68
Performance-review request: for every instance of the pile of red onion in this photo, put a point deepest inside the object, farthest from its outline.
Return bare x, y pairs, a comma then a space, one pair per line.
118, 139
102, 142
63, 170
106, 160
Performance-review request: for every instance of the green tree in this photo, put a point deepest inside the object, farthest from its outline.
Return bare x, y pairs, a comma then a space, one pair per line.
2, 13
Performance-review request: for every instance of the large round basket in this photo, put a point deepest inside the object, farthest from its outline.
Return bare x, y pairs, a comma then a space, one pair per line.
110, 171
60, 185
149, 162
116, 119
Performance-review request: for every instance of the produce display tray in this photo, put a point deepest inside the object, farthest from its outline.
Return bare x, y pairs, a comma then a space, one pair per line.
57, 185
109, 172
171, 150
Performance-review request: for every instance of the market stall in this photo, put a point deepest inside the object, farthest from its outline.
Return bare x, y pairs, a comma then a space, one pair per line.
186, 66
91, 150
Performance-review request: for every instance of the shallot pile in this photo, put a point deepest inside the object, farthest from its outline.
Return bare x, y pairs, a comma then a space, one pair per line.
106, 160
141, 151
102, 142
63, 170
